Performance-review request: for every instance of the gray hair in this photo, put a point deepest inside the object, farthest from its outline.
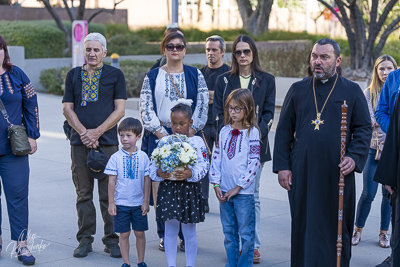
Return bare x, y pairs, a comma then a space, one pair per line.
95, 36
222, 44
335, 45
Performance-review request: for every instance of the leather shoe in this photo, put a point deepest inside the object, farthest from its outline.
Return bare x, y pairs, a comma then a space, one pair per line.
356, 238
82, 250
384, 240
21, 254
161, 244
114, 250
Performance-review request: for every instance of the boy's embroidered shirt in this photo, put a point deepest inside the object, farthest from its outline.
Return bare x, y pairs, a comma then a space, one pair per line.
236, 159
199, 170
90, 86
130, 172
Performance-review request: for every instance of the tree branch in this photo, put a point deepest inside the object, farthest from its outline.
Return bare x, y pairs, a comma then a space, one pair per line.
71, 17
386, 12
341, 19
101, 10
60, 25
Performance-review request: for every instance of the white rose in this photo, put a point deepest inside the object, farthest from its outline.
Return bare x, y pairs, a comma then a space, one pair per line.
184, 157
165, 151
156, 152
187, 146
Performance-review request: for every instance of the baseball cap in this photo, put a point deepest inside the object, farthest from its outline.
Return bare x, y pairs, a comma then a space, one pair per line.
96, 163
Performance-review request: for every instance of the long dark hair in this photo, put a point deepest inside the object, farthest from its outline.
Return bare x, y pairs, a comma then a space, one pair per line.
255, 64
6, 64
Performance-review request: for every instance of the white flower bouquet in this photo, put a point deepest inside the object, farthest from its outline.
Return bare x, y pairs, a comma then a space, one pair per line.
174, 152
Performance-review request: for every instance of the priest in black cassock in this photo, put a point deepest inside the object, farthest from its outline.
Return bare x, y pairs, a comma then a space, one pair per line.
307, 157
388, 173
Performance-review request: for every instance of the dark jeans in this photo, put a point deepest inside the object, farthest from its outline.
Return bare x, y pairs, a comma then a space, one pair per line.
210, 132
14, 173
84, 185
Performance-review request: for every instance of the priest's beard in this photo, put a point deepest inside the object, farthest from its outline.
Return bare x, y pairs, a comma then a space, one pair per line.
326, 73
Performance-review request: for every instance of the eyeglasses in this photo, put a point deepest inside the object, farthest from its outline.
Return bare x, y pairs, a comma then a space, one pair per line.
246, 52
234, 109
178, 47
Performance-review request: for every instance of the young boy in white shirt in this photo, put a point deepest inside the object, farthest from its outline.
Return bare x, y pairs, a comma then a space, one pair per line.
129, 190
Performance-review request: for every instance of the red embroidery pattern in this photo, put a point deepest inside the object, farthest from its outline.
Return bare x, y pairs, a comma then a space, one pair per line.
232, 147
255, 150
29, 91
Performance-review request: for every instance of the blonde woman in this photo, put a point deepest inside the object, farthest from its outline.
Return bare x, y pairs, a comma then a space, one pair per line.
383, 66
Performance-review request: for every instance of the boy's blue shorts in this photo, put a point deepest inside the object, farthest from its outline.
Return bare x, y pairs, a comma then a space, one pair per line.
127, 216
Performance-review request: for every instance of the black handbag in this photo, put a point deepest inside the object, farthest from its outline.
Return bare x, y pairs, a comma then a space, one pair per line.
17, 134
67, 130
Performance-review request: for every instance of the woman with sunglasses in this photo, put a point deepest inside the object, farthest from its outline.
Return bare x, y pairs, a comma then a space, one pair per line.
160, 93
246, 72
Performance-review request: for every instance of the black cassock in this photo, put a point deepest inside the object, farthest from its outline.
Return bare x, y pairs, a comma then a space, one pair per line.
313, 157
388, 173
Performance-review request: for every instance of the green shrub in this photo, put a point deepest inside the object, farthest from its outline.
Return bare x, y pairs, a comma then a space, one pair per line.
131, 44
39, 39
115, 29
53, 80
285, 63
191, 34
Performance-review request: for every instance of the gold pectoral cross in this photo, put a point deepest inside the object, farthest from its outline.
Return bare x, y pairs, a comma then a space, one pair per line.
317, 121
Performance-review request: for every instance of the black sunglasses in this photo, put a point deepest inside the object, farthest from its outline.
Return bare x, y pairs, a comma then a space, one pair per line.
171, 47
246, 52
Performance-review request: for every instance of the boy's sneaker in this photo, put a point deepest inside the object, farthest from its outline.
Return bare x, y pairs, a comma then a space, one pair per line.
257, 256
142, 264
114, 250
125, 265
161, 244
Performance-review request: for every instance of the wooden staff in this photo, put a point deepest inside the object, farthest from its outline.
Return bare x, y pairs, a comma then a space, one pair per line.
343, 131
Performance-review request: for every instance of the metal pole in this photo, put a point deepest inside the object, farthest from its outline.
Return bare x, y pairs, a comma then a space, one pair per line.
175, 6
307, 16
72, 9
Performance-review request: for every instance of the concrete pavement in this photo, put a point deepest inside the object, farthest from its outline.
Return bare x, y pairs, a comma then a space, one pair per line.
53, 219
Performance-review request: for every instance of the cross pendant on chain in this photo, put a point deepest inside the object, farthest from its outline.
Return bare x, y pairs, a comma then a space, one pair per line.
317, 122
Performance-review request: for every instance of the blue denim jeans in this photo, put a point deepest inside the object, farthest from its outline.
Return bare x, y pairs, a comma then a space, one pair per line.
238, 217
368, 194
257, 239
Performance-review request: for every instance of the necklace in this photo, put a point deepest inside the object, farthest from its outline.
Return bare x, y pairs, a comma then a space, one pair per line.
317, 122
246, 77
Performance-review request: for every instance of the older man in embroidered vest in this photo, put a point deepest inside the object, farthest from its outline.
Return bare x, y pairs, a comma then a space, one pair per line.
93, 103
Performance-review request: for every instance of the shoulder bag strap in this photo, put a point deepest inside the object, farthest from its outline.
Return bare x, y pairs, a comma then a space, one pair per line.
176, 89
4, 112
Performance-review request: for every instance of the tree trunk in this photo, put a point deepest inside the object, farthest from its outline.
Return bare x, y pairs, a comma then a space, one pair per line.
61, 26
363, 52
255, 22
